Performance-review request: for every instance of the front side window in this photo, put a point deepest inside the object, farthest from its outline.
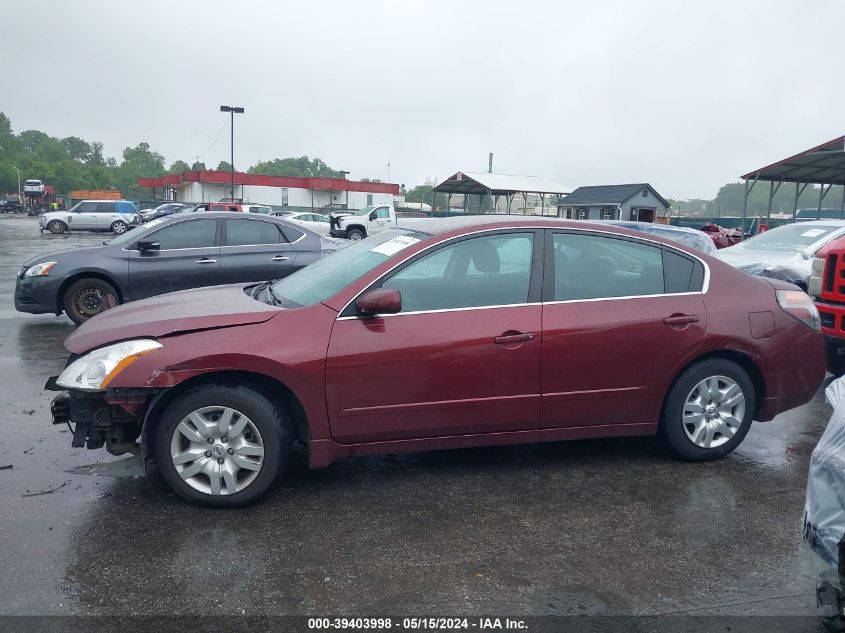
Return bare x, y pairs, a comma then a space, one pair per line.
597, 267
383, 213
251, 232
190, 234
85, 207
482, 271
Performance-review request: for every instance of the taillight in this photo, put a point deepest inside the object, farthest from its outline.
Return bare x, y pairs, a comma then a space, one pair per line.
798, 304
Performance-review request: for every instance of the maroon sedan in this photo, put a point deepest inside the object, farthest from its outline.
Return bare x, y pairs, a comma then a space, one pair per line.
453, 333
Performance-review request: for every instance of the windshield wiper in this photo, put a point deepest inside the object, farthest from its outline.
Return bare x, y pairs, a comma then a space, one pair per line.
277, 300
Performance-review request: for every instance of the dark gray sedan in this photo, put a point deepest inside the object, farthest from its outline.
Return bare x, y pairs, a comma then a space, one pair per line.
165, 255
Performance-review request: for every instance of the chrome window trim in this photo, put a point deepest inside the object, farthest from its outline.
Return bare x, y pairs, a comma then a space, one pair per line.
705, 284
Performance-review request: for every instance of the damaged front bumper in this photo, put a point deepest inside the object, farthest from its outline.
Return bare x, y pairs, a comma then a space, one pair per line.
113, 418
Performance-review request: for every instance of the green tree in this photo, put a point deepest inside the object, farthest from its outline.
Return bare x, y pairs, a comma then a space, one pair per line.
422, 193
179, 167
197, 166
77, 149
302, 167
138, 162
224, 166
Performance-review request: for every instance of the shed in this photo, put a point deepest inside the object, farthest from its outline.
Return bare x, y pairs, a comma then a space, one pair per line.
637, 201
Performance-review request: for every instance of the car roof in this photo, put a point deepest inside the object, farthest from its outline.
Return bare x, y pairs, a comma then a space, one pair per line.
821, 222
435, 226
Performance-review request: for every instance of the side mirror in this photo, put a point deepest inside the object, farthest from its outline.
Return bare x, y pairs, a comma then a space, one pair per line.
380, 301
373, 215
148, 245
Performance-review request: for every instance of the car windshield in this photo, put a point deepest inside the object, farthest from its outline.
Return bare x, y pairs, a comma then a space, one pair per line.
138, 231
365, 211
790, 238
328, 276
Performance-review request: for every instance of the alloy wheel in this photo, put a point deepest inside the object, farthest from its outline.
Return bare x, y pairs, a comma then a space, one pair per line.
217, 450
713, 411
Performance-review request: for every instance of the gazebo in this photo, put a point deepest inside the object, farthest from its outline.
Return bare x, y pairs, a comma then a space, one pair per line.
494, 186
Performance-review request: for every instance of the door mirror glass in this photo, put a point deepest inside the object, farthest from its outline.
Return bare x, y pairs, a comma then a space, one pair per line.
373, 215
380, 301
148, 245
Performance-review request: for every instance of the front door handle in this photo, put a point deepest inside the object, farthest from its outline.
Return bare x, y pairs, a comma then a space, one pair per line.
681, 319
205, 260
280, 258
510, 339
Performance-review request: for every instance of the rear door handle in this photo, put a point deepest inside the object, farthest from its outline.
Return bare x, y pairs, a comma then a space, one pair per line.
681, 319
205, 260
508, 339
280, 258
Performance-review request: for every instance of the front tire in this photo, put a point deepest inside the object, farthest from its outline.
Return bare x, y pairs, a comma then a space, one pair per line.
708, 411
57, 226
222, 445
356, 235
118, 227
88, 297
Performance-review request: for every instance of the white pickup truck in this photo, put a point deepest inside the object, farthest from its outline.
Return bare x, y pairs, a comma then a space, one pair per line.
363, 223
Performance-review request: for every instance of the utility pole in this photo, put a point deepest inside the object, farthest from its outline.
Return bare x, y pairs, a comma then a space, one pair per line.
232, 110
490, 163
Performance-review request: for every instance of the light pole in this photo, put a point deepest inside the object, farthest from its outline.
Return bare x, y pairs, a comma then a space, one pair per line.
232, 110
19, 181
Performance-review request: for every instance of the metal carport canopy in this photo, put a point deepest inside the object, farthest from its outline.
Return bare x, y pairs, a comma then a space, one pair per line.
824, 163
481, 183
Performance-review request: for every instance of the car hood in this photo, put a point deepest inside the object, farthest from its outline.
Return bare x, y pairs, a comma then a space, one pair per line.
791, 266
165, 315
56, 256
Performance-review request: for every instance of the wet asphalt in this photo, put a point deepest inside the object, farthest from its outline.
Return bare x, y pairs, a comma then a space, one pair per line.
594, 527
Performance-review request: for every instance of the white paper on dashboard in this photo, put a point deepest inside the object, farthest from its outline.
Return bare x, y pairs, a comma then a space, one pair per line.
393, 246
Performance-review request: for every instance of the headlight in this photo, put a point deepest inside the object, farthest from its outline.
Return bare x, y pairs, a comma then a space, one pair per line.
39, 270
94, 371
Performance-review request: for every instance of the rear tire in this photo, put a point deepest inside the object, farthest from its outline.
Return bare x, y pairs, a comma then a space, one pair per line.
88, 297
835, 362
708, 411
57, 226
197, 463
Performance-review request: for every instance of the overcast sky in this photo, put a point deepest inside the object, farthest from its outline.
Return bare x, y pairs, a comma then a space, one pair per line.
686, 95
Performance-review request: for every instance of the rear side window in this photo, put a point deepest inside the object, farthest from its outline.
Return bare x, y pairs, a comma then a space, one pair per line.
190, 234
598, 267
251, 232
105, 207
682, 274
292, 234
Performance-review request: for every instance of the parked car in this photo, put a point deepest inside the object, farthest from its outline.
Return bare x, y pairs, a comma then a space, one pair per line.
315, 221
256, 208
682, 235
217, 206
11, 203
722, 237
163, 255
824, 512
115, 216
162, 210
363, 223
512, 331
804, 215
785, 252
